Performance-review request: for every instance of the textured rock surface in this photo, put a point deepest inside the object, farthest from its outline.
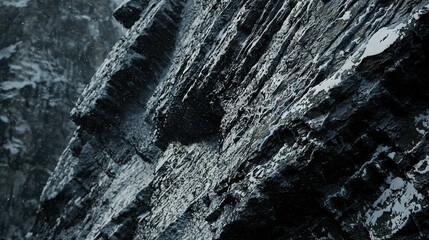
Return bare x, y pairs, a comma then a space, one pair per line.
49, 49
263, 119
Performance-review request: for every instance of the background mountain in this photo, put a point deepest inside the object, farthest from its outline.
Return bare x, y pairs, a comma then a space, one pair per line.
49, 49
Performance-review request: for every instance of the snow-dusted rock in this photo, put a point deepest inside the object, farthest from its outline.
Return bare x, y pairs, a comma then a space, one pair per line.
235, 119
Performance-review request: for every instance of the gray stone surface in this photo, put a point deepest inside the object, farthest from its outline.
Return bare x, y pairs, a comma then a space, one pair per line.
263, 119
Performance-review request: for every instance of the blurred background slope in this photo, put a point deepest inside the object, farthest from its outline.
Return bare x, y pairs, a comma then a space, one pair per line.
49, 49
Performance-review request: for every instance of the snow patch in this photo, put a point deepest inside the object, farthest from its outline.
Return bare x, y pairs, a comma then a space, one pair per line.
22, 128
4, 119
317, 121
7, 52
336, 79
397, 184
10, 85
423, 166
328, 84
417, 14
422, 122
16, 3
391, 155
346, 16
382, 40
397, 202
14, 146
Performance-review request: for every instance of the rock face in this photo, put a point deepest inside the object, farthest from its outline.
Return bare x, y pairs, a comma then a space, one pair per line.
264, 119
49, 49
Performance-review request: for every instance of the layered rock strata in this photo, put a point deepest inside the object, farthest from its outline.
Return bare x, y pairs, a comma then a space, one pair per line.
235, 119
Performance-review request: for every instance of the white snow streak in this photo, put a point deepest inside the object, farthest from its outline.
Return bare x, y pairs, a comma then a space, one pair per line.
7, 52
16, 3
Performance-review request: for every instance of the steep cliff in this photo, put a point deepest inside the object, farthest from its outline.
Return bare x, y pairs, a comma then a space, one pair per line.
49, 49
264, 119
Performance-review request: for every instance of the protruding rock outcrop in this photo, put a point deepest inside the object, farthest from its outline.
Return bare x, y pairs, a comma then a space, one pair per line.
130, 12
265, 119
